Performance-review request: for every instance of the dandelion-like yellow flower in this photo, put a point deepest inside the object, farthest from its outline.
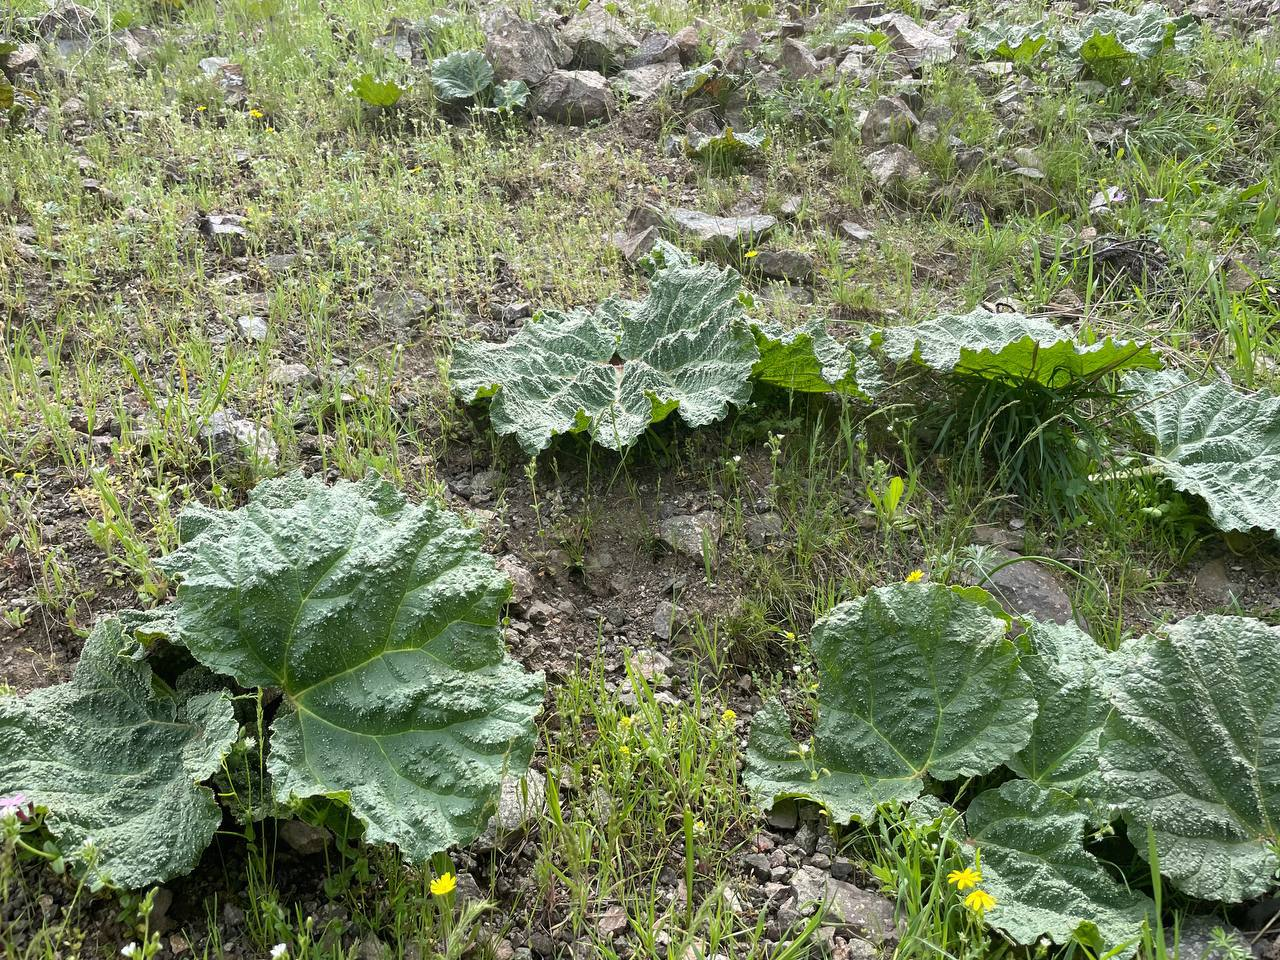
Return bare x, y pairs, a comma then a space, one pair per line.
444, 885
979, 901
752, 254
728, 717
964, 879
256, 113
915, 576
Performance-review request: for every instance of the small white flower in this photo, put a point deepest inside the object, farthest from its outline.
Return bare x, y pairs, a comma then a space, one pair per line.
279, 950
130, 950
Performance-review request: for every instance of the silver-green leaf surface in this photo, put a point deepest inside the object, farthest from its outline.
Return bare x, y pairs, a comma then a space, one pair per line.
617, 369
116, 758
1010, 347
1044, 882
915, 680
378, 621
1217, 443
1191, 751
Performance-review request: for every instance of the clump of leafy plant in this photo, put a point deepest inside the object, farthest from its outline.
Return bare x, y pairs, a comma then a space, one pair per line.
1114, 45
383, 94
1216, 443
920, 687
377, 621
1021, 386
1019, 44
465, 77
615, 370
727, 147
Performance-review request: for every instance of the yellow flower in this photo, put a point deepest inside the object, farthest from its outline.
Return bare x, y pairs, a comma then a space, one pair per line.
443, 885
979, 901
624, 722
256, 113
201, 109
915, 576
964, 879
752, 253
624, 750
728, 717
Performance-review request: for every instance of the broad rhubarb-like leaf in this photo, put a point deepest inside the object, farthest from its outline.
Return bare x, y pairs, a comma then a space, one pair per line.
461, 76
914, 680
1044, 882
1216, 443
1010, 347
1066, 668
378, 621
116, 758
1192, 752
1111, 42
616, 370
807, 359
1018, 43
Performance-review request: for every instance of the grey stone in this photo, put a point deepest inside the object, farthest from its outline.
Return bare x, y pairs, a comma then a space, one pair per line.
69, 27
1213, 584
303, 838
406, 40
690, 534
647, 82
651, 664
656, 47
253, 328
25, 61
294, 375
522, 581
888, 121
893, 166
598, 39
689, 42
917, 45
573, 96
758, 864
520, 801
784, 265
521, 50
238, 439
729, 231
762, 529
856, 231
633, 246
1027, 588
667, 619
798, 59
854, 911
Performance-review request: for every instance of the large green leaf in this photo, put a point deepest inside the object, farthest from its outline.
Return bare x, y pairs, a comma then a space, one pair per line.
1111, 42
1217, 443
1019, 43
377, 93
1045, 883
914, 680
1066, 667
379, 622
1192, 751
117, 758
1010, 347
461, 76
615, 370
807, 359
